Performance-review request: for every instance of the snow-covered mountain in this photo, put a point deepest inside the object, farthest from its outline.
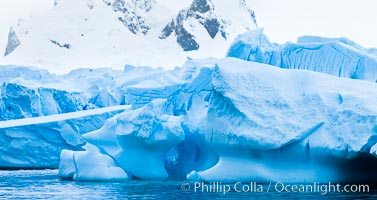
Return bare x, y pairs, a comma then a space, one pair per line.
112, 33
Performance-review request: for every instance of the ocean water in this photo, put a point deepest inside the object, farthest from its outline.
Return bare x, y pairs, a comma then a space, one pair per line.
45, 184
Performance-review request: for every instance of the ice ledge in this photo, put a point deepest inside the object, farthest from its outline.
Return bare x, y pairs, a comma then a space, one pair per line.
60, 117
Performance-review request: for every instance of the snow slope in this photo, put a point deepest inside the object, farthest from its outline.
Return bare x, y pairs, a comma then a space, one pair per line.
336, 56
270, 124
37, 142
112, 33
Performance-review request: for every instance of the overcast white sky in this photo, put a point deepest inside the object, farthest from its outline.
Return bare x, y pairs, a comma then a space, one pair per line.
283, 20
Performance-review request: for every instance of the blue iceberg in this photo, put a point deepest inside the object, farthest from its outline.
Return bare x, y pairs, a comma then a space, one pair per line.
215, 116
336, 56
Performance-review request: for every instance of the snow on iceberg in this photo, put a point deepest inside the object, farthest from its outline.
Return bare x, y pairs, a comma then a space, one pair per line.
336, 56
105, 168
36, 142
270, 124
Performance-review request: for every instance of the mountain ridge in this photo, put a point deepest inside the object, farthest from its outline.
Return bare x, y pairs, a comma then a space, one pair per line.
113, 33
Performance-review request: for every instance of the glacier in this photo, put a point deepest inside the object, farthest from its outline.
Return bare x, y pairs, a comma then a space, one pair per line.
206, 119
336, 56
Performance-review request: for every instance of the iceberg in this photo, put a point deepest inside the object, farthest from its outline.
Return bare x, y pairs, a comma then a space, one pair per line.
335, 56
18, 101
215, 116
36, 142
31, 92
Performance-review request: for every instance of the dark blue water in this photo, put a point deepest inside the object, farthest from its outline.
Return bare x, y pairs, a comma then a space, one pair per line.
45, 184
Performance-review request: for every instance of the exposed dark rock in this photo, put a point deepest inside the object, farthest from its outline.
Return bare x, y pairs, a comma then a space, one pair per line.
130, 14
212, 26
13, 42
198, 9
64, 45
200, 6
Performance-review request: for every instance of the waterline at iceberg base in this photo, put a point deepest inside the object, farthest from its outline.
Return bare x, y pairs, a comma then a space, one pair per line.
234, 120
